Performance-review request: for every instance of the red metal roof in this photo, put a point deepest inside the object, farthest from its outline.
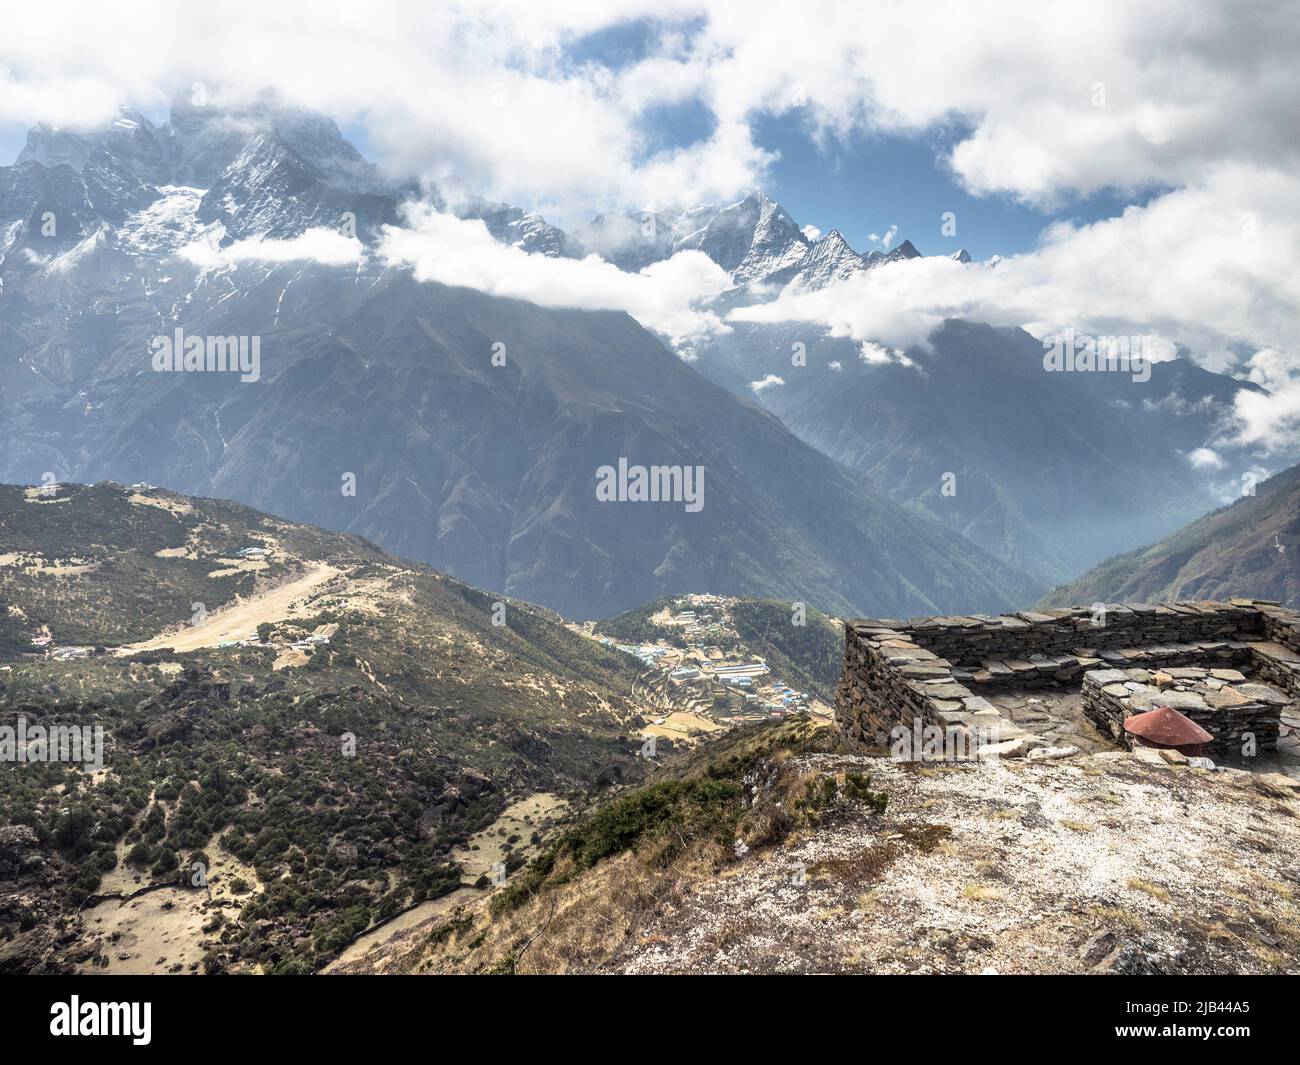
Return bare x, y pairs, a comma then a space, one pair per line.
1167, 727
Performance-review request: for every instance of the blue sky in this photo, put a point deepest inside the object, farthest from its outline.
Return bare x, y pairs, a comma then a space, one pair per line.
875, 181
880, 180
862, 185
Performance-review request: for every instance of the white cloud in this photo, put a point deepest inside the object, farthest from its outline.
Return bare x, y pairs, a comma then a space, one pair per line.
321, 245
887, 239
812, 233
1205, 458
1072, 97
770, 381
1193, 100
1270, 421
877, 354
1215, 266
666, 296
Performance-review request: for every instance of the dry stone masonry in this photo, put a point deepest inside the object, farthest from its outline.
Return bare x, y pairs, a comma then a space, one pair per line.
1221, 701
1232, 667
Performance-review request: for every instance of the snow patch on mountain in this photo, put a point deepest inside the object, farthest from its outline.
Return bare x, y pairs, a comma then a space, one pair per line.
168, 224
77, 254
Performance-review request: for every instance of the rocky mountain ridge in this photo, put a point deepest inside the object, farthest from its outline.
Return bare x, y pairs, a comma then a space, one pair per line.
481, 465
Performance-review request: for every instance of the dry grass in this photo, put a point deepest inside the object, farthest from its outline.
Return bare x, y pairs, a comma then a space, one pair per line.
1113, 915
576, 927
1145, 886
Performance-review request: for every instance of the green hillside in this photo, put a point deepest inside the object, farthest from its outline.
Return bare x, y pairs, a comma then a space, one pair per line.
1250, 548
238, 755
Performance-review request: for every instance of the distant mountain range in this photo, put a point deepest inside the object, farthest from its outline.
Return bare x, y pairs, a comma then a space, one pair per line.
1046, 468
754, 240
487, 471
1052, 472
1043, 464
1250, 548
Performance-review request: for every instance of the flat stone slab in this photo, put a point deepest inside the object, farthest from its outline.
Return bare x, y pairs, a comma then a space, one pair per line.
945, 691
1151, 756
1264, 694
1276, 650
1019, 666
1175, 700
1226, 697
924, 670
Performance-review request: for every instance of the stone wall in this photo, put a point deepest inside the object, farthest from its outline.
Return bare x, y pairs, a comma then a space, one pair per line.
1224, 702
887, 679
937, 670
1280, 625
968, 641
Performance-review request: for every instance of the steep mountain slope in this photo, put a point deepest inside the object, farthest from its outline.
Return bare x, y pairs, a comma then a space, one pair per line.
229, 688
1250, 548
1042, 461
483, 469
1052, 471
766, 851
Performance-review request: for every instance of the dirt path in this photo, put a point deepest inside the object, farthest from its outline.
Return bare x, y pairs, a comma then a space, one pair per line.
378, 937
242, 618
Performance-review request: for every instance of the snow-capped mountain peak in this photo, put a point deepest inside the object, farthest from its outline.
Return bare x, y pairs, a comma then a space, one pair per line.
829, 260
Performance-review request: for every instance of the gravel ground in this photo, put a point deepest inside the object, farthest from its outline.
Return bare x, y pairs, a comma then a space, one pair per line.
1103, 862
